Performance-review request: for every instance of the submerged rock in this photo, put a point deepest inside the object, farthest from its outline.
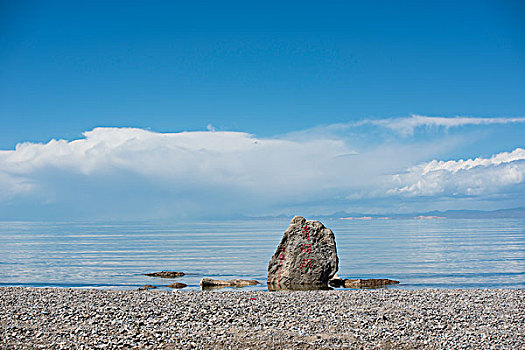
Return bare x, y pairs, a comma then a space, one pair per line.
165, 274
306, 256
147, 286
211, 283
369, 283
178, 285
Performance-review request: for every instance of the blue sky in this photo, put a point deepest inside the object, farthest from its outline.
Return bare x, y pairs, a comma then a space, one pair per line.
370, 92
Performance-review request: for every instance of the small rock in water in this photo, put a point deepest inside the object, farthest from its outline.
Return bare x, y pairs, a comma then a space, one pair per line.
147, 286
165, 274
368, 283
209, 282
178, 285
242, 283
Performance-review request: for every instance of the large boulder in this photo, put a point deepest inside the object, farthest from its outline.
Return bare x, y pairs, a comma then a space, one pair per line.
306, 256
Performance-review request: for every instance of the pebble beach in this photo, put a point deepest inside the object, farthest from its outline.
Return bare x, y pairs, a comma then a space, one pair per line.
54, 318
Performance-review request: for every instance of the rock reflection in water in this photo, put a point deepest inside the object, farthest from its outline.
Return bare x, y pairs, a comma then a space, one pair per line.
279, 287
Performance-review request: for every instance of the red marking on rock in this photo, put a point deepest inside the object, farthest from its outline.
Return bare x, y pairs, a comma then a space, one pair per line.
306, 232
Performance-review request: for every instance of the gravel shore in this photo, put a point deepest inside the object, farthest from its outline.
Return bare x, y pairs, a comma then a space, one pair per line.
51, 318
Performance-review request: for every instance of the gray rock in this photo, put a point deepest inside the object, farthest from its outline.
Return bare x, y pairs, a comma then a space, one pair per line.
306, 256
147, 286
209, 282
242, 283
368, 283
165, 274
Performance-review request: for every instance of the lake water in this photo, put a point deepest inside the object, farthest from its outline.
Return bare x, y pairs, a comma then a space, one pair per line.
439, 253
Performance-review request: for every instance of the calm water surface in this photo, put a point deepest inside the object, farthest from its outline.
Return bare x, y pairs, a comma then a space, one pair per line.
441, 253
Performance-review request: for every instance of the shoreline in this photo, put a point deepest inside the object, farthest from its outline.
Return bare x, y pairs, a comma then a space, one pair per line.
64, 318
253, 288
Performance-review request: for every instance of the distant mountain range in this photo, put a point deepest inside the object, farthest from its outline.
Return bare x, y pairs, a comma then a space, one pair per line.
517, 213
448, 214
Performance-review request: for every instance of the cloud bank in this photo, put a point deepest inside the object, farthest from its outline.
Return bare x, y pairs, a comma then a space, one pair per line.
200, 158
463, 177
135, 173
211, 171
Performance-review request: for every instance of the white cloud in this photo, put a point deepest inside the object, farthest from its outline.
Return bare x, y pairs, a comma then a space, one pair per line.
469, 177
140, 173
406, 126
210, 167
